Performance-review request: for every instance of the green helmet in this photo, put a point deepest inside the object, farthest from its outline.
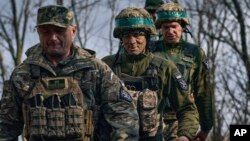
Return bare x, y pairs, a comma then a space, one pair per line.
131, 19
153, 4
171, 12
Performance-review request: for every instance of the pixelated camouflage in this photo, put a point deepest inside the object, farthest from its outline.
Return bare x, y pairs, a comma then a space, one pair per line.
102, 97
55, 15
171, 12
133, 18
153, 4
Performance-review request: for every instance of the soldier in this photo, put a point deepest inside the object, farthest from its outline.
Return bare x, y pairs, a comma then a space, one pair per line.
155, 83
61, 92
151, 6
191, 61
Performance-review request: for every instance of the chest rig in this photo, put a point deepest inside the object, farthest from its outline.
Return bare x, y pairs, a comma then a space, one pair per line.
57, 107
143, 89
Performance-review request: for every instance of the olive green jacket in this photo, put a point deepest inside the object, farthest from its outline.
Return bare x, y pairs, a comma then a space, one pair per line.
171, 94
192, 63
104, 95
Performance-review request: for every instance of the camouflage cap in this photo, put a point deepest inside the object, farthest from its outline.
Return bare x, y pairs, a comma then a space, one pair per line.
55, 15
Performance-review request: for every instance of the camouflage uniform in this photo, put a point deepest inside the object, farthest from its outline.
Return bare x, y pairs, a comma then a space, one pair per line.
80, 99
148, 72
191, 62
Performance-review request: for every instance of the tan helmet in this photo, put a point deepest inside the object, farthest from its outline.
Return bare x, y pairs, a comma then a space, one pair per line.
171, 12
130, 19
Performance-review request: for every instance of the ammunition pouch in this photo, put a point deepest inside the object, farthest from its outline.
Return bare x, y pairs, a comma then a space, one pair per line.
57, 116
38, 121
56, 123
146, 102
74, 121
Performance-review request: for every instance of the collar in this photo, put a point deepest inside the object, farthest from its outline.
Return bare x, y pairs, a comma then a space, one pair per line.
174, 45
137, 57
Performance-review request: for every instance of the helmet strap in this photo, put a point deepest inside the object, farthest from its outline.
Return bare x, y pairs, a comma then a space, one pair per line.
186, 30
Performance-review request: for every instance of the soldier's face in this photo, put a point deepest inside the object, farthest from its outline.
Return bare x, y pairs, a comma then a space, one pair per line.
172, 32
56, 41
134, 44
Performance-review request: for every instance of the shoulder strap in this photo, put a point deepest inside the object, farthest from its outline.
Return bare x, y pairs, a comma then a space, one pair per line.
35, 71
190, 50
156, 61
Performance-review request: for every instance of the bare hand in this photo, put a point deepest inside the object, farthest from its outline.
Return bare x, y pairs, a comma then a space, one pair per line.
182, 138
201, 136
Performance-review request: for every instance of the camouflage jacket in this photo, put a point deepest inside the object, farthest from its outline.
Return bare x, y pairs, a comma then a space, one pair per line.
192, 63
172, 92
105, 95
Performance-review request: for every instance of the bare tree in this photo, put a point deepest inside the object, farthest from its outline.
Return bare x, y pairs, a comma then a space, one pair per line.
112, 6
84, 10
14, 24
222, 28
59, 2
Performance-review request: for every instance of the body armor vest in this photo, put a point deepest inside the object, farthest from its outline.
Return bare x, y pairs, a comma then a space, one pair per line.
56, 110
143, 90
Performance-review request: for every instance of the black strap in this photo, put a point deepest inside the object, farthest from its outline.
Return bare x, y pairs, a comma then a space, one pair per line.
35, 71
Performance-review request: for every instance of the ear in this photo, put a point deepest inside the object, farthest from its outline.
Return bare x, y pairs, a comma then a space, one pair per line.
73, 31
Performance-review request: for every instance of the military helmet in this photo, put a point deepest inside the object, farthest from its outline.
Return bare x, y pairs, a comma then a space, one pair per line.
171, 12
153, 4
131, 19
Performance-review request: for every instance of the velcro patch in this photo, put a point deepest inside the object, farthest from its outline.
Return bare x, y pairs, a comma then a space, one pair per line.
125, 95
181, 81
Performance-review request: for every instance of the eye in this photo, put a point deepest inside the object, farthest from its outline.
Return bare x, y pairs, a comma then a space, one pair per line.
60, 30
43, 30
136, 35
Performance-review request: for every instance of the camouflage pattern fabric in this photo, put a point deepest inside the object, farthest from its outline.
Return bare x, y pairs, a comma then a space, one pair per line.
171, 94
133, 18
171, 12
104, 95
55, 15
191, 61
170, 130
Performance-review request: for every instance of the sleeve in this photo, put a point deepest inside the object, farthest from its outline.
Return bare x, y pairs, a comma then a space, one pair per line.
202, 92
10, 113
118, 108
183, 103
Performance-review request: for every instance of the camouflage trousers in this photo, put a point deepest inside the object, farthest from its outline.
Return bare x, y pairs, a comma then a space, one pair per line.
170, 128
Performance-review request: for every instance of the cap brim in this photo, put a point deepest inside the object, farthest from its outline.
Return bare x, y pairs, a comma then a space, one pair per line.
53, 23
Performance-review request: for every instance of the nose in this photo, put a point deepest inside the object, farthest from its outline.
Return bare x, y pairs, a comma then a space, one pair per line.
132, 39
53, 35
170, 30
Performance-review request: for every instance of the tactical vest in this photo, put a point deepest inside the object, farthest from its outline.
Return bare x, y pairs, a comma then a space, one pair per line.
55, 108
143, 89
